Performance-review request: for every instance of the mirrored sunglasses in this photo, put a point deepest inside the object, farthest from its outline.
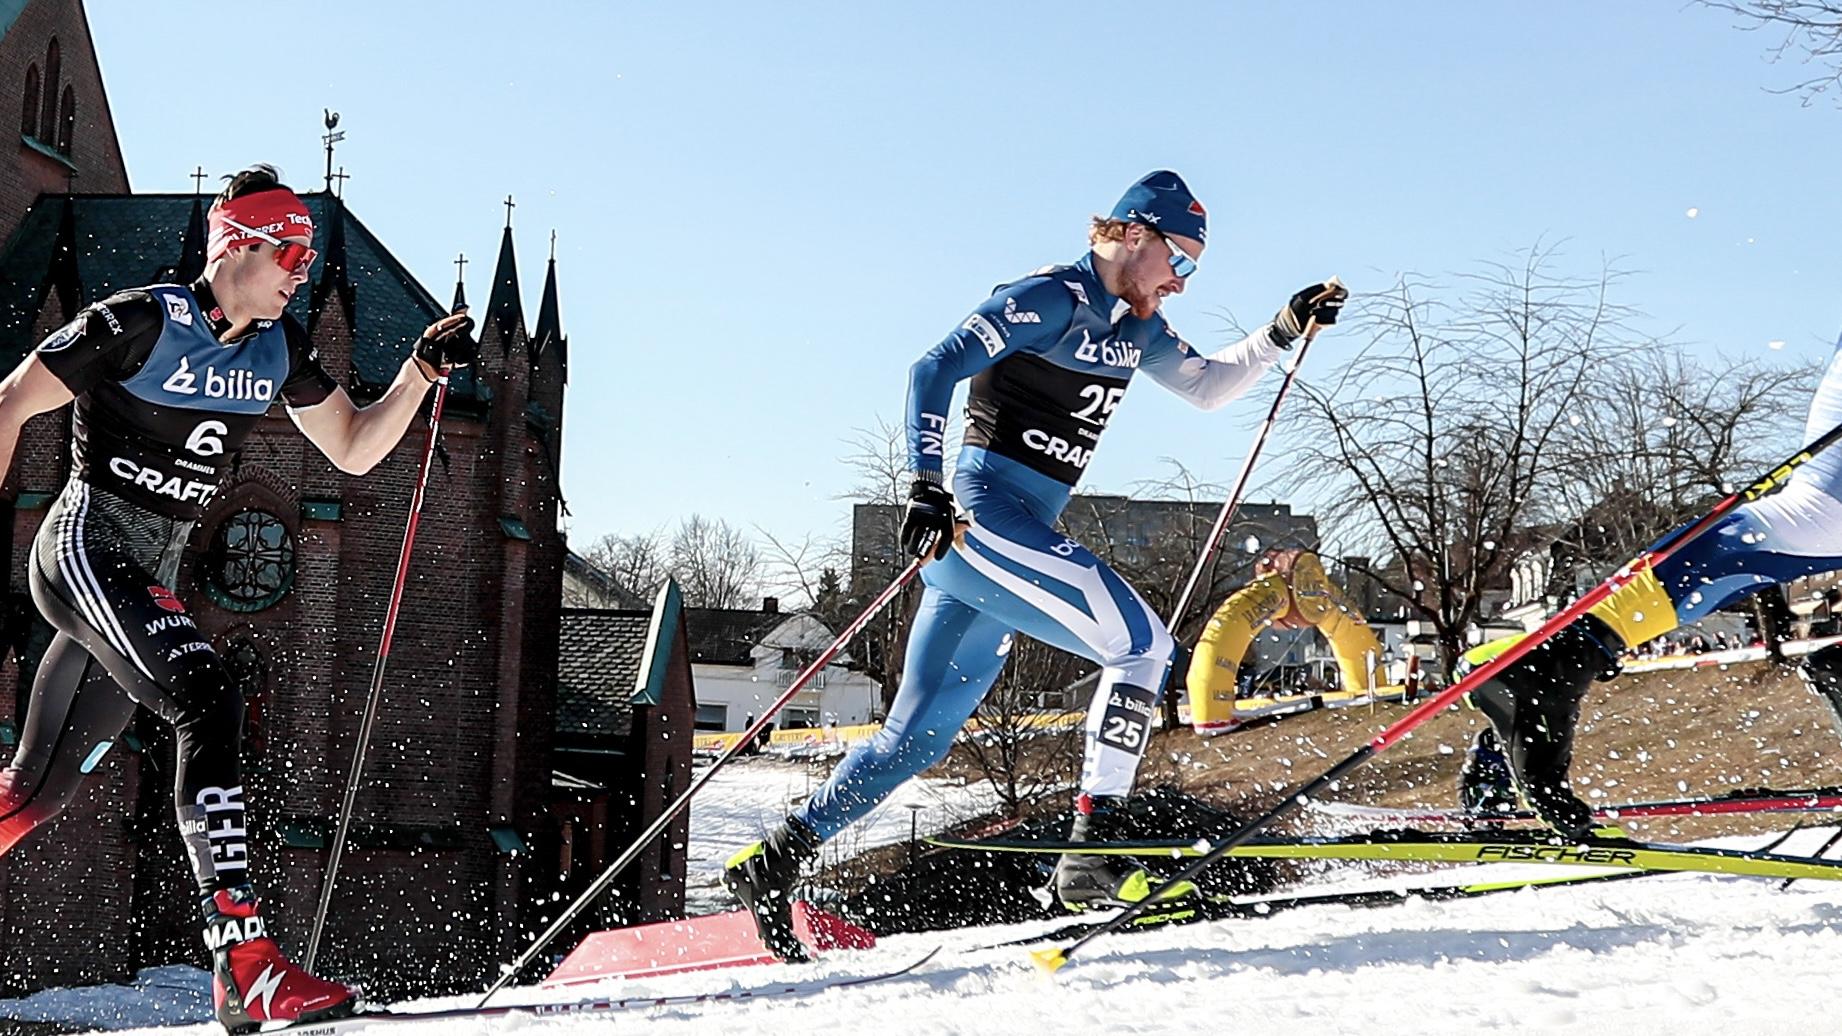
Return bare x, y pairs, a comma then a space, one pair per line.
291, 256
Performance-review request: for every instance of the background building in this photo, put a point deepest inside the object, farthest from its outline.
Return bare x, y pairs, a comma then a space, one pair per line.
288, 574
746, 658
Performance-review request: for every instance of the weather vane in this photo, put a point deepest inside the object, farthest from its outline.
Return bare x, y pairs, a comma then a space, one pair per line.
332, 137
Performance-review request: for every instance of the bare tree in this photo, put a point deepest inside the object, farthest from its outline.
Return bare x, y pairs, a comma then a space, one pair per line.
1808, 29
1439, 443
1658, 439
879, 457
637, 564
717, 564
797, 571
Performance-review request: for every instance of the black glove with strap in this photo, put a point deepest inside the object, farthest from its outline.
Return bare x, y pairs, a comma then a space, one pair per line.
448, 342
927, 525
1319, 302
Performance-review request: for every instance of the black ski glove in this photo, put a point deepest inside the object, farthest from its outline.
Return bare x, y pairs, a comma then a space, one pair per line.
448, 342
1320, 302
927, 525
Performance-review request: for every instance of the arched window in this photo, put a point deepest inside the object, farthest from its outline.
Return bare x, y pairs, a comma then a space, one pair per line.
67, 119
54, 67
28, 118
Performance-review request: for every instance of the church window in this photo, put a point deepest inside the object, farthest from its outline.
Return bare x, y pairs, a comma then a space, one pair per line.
28, 119
67, 120
249, 675
54, 67
250, 564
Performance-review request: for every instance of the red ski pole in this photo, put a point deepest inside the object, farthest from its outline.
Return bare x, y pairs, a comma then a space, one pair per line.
377, 677
1053, 959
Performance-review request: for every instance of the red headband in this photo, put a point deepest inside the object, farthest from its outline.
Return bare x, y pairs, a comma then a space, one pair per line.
277, 213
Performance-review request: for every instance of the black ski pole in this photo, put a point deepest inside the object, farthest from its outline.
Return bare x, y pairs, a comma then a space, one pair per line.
1233, 503
1819, 854
365, 725
678, 806
1053, 959
1225, 517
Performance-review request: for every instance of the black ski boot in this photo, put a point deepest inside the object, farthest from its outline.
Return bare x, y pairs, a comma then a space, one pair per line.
1822, 673
1485, 784
1534, 705
762, 877
1082, 881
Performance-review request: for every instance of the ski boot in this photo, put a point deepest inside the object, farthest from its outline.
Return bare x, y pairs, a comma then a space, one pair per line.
1822, 673
1082, 880
1485, 784
762, 876
1534, 705
252, 984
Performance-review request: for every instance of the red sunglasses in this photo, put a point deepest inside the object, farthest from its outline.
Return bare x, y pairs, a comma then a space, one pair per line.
291, 256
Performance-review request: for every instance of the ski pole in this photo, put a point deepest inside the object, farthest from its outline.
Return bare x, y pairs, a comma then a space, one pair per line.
1225, 517
679, 805
1233, 503
366, 724
1052, 959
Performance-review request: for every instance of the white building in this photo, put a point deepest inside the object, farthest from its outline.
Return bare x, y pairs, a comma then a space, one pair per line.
743, 659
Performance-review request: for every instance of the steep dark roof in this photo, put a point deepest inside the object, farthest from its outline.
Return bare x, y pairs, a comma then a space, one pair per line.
548, 335
128, 240
723, 636
10, 10
598, 667
504, 313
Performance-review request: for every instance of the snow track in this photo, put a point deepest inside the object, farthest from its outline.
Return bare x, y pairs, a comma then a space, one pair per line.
1680, 954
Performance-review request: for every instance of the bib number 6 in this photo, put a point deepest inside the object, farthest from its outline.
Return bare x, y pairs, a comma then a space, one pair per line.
207, 440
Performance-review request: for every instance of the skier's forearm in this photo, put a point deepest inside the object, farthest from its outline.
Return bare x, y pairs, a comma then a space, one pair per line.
375, 430
31, 389
1214, 381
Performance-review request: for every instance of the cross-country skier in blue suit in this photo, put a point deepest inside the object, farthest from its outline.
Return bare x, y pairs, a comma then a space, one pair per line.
1049, 358
1534, 703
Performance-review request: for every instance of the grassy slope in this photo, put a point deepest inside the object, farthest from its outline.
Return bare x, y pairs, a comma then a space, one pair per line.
1652, 735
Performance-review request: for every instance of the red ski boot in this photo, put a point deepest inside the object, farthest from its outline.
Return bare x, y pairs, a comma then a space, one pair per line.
252, 983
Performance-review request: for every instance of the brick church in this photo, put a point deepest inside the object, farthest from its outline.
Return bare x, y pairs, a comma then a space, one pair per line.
456, 832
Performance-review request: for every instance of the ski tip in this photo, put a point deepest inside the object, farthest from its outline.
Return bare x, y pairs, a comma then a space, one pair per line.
1050, 960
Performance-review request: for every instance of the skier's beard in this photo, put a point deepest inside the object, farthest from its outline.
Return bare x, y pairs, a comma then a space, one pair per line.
1144, 303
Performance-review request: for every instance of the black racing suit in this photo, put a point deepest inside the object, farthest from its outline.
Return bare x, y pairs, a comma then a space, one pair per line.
161, 407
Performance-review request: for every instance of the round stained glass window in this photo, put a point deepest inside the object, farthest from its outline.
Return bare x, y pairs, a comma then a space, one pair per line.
251, 562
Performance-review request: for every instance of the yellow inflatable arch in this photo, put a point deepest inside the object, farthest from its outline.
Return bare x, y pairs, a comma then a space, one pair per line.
1290, 591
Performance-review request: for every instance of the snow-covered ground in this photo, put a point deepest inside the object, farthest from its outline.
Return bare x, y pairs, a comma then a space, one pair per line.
1676, 954
751, 795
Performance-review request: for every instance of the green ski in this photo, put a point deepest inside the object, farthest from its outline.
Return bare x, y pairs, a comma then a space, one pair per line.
1462, 847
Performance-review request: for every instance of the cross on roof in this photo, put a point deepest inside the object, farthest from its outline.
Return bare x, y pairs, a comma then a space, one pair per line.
198, 180
460, 264
509, 205
342, 177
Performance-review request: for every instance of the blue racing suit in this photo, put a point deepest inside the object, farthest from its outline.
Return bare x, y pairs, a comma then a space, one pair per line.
1794, 532
1049, 358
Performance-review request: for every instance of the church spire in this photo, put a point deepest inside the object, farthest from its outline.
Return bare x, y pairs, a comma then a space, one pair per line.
460, 283
548, 335
504, 313
192, 249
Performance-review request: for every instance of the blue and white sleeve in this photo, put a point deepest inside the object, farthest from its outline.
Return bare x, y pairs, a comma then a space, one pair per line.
1029, 317
1211, 381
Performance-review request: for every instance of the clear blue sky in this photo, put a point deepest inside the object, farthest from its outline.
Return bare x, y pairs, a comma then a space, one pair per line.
767, 211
